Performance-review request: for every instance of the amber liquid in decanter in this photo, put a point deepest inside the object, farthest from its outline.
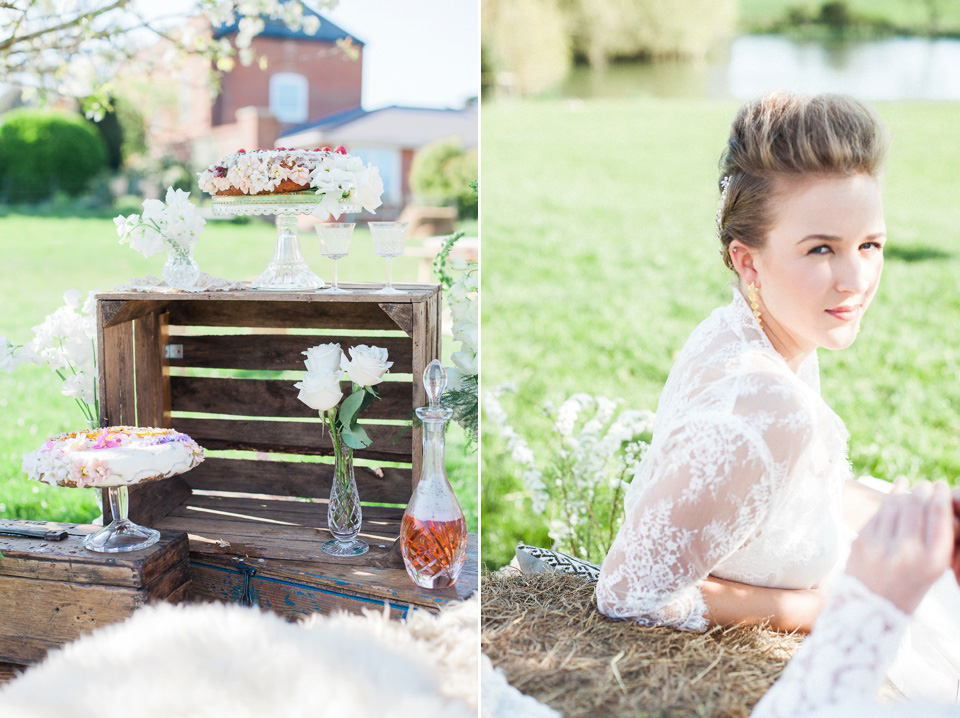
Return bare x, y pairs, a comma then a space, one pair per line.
435, 550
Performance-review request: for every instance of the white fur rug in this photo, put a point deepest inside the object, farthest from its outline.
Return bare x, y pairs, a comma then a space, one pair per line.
227, 661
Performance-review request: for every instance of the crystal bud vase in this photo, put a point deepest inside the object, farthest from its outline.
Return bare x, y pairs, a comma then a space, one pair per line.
344, 513
180, 271
433, 532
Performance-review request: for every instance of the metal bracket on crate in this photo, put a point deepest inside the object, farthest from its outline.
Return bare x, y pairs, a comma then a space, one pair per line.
248, 572
173, 351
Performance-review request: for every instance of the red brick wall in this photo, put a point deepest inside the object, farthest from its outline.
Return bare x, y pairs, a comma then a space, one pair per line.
334, 80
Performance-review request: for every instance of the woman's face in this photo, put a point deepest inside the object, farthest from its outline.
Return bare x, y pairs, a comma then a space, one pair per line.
821, 265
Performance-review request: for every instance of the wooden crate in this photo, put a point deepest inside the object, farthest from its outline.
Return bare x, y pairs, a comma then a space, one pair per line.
256, 517
52, 592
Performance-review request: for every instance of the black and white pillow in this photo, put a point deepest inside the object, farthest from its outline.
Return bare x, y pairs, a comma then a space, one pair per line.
537, 560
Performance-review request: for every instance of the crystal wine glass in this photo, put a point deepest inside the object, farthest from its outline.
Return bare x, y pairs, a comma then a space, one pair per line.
388, 239
335, 243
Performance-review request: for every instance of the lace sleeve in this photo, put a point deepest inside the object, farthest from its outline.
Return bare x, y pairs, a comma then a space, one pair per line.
843, 660
713, 481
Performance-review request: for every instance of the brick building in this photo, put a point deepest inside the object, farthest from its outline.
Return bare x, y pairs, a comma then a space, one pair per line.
307, 95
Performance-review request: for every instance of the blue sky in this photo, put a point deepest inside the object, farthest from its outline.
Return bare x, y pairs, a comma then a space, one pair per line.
423, 53
418, 52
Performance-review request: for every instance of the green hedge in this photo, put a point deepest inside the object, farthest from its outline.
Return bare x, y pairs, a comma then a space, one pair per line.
442, 172
44, 152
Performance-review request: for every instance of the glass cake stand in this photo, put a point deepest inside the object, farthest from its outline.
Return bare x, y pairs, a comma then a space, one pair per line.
287, 271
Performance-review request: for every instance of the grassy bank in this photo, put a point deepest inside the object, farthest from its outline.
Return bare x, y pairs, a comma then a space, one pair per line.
44, 254
855, 17
600, 258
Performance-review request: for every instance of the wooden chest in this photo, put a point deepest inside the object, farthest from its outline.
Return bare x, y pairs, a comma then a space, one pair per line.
52, 592
221, 367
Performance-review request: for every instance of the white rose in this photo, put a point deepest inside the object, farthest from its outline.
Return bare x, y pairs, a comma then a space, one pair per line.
465, 361
320, 391
367, 365
323, 358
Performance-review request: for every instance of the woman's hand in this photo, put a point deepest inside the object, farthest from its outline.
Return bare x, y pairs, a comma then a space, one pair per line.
906, 546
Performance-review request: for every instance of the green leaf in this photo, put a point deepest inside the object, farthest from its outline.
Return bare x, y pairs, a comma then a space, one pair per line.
355, 437
350, 408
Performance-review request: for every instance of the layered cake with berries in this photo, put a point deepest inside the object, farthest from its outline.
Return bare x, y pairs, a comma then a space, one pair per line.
113, 456
332, 173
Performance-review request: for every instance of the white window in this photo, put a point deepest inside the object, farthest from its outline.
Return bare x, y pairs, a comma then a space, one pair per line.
387, 160
288, 97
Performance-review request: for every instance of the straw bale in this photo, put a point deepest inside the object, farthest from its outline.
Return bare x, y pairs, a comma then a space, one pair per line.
545, 633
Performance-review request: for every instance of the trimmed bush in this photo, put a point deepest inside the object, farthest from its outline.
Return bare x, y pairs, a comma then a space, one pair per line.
43, 152
441, 173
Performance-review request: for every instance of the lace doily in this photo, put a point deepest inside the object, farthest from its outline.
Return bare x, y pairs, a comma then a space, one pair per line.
205, 283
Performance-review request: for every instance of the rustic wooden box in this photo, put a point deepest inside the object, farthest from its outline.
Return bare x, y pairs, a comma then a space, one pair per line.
255, 510
52, 592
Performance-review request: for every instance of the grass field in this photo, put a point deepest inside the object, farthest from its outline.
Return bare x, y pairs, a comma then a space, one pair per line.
42, 256
600, 258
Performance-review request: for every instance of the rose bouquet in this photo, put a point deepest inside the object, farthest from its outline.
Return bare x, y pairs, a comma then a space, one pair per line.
321, 390
174, 224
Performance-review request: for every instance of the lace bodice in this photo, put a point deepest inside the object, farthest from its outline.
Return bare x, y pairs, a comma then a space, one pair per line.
743, 479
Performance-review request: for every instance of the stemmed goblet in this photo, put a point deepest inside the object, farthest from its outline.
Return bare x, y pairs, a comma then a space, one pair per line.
388, 239
335, 243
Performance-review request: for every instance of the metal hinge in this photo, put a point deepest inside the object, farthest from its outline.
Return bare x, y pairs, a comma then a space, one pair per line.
246, 592
173, 351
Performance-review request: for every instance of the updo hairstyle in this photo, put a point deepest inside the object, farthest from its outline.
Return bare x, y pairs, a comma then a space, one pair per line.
789, 135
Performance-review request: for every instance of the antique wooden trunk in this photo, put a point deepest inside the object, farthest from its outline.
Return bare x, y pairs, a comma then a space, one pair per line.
221, 367
51, 592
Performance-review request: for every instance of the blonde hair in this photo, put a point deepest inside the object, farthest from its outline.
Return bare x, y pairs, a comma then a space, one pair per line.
786, 135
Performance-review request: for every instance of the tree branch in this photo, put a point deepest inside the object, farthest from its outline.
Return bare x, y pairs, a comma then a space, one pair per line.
13, 39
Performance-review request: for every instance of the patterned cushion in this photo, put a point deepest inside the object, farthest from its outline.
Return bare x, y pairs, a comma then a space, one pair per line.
536, 560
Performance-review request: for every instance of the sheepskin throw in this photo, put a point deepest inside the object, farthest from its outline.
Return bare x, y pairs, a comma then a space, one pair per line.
224, 660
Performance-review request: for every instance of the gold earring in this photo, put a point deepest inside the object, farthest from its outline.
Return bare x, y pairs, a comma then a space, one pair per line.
754, 297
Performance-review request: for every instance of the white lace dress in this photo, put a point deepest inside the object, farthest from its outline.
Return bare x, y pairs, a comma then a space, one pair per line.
743, 481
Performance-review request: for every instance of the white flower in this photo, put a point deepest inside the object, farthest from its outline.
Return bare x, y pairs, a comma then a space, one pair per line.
8, 355
320, 391
369, 189
367, 365
465, 361
79, 386
323, 358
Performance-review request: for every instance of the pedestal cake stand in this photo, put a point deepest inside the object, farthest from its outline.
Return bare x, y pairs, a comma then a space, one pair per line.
287, 270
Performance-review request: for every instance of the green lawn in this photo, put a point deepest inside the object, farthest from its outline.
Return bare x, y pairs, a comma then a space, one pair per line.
600, 258
43, 256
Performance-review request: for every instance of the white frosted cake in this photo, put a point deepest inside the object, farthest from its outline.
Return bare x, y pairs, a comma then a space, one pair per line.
114, 456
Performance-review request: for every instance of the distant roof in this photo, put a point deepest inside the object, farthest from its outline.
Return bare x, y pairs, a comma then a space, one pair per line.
410, 127
328, 32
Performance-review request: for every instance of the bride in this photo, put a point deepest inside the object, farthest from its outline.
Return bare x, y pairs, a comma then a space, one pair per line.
736, 513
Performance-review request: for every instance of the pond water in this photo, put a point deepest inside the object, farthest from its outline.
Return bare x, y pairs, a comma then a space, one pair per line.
901, 68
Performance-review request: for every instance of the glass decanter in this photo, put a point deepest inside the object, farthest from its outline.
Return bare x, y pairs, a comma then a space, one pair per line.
433, 533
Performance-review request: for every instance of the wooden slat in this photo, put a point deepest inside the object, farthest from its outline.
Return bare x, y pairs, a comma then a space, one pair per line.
10, 671
115, 353
69, 561
38, 615
274, 397
151, 501
341, 315
365, 292
289, 437
401, 315
290, 478
278, 351
270, 509
120, 312
148, 346
287, 598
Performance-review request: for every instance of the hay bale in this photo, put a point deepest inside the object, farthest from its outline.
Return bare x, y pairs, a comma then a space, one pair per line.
545, 633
